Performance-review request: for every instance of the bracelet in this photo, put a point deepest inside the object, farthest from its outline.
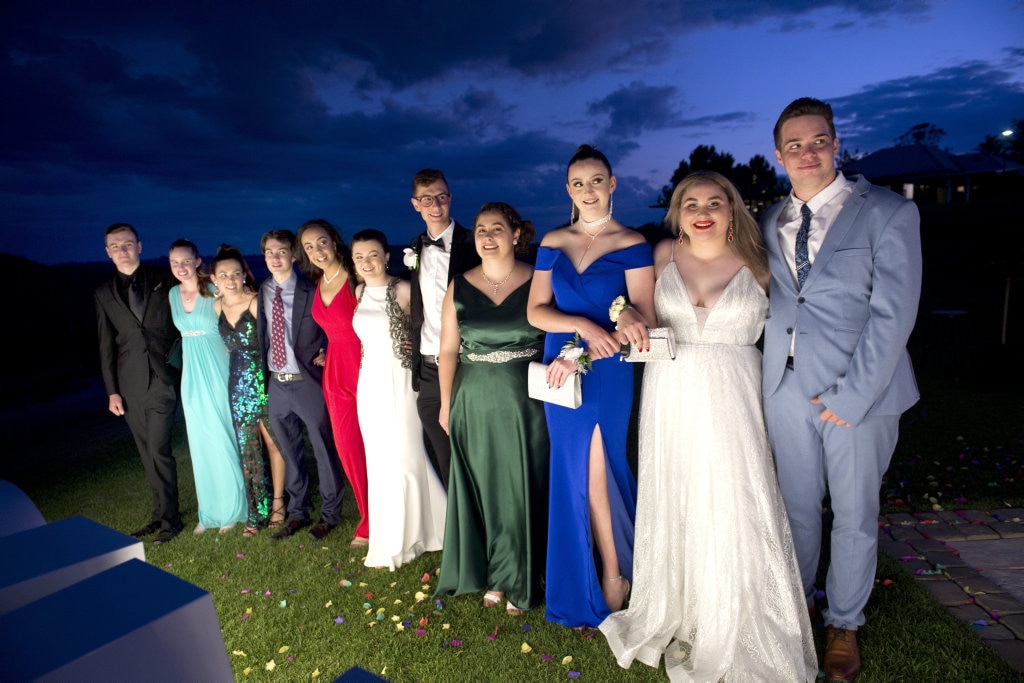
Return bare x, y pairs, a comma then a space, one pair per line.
618, 306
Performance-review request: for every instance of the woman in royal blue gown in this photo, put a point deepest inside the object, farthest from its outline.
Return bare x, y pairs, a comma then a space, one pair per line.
581, 269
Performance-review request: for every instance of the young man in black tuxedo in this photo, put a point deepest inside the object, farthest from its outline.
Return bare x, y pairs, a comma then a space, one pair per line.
136, 340
444, 250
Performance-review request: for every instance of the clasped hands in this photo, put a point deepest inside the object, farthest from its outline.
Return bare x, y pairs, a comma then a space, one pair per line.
631, 329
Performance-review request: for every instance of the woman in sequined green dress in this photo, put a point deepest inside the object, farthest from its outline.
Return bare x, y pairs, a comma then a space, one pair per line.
258, 453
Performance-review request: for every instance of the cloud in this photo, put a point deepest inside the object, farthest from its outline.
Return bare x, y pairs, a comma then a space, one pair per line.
636, 108
962, 99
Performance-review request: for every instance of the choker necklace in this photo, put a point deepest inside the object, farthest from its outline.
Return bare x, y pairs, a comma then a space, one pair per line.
593, 224
328, 279
497, 285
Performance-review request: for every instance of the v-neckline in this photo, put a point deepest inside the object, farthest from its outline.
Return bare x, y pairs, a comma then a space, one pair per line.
710, 309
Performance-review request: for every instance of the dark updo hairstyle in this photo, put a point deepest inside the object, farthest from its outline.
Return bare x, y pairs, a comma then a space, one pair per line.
515, 222
584, 153
372, 235
344, 255
206, 287
226, 252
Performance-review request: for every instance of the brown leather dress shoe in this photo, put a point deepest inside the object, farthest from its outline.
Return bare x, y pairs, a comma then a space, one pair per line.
289, 528
842, 656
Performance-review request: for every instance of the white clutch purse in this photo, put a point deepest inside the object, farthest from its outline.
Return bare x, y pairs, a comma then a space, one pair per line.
663, 347
568, 395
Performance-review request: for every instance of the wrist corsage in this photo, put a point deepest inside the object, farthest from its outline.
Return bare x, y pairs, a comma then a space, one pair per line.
573, 351
410, 258
618, 306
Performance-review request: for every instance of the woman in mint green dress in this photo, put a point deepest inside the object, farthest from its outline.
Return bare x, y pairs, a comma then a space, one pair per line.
204, 394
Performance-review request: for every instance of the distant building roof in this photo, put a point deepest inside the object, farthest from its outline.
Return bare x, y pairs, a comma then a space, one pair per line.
918, 162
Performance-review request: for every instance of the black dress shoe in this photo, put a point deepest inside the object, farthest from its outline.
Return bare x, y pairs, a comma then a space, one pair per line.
289, 528
150, 528
166, 535
321, 529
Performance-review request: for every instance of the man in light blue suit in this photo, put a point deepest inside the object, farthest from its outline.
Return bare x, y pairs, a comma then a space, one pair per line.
845, 257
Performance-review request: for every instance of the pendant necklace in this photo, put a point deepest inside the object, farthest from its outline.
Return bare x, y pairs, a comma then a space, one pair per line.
496, 285
328, 279
593, 236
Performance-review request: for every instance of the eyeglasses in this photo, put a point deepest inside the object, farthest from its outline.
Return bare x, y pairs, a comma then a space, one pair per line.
428, 200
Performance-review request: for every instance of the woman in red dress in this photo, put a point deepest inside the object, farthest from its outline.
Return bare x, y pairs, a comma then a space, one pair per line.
328, 262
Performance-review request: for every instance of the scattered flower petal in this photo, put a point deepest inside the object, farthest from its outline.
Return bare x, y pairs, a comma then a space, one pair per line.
526, 627
345, 583
315, 674
281, 650
283, 603
421, 631
329, 603
425, 577
574, 674
567, 660
270, 666
239, 653
339, 620
525, 648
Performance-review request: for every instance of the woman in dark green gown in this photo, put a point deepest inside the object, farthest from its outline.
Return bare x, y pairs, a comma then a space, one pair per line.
495, 535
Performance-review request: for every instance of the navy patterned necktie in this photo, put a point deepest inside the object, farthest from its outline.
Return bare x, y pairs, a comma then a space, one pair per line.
803, 261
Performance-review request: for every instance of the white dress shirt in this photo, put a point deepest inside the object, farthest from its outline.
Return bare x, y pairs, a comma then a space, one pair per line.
269, 288
433, 280
825, 207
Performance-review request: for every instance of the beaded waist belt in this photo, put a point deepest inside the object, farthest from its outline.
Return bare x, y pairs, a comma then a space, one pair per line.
193, 333
502, 356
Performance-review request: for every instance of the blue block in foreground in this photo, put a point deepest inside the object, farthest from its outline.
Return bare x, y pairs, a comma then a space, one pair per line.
133, 622
42, 560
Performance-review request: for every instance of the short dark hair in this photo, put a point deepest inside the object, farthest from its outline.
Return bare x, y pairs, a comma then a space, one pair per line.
804, 106
427, 176
286, 236
119, 227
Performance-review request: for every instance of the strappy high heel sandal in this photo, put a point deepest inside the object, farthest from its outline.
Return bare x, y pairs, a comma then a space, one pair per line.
276, 510
625, 593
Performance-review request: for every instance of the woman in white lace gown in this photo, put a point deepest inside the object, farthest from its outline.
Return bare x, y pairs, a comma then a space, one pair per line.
406, 500
716, 587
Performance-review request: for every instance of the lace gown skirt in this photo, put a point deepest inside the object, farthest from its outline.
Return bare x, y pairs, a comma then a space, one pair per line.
716, 589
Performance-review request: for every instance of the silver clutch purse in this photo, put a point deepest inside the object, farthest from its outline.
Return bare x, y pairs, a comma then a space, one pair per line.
568, 395
663, 347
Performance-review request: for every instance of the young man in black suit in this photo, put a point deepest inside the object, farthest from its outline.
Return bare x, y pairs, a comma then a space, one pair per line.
295, 395
444, 250
136, 340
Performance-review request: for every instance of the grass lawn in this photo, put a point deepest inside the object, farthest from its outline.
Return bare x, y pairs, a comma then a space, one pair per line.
301, 610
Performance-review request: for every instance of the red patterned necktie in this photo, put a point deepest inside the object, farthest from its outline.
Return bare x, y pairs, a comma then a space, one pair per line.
277, 351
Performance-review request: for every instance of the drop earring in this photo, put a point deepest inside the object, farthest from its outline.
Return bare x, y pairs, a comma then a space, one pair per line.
611, 204
729, 236
572, 213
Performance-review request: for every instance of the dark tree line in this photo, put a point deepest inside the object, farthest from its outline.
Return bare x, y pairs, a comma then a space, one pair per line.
756, 180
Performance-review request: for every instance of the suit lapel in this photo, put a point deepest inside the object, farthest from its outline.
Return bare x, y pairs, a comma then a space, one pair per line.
839, 229
776, 260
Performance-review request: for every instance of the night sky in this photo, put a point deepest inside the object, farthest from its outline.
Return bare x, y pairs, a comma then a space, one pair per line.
218, 120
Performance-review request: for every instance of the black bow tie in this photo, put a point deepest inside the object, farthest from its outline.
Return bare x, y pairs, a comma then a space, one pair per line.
427, 242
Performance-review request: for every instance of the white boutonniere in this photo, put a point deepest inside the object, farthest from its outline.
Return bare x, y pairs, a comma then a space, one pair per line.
410, 258
573, 351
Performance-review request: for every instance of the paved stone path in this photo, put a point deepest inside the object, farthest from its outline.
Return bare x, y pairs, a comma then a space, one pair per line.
973, 563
